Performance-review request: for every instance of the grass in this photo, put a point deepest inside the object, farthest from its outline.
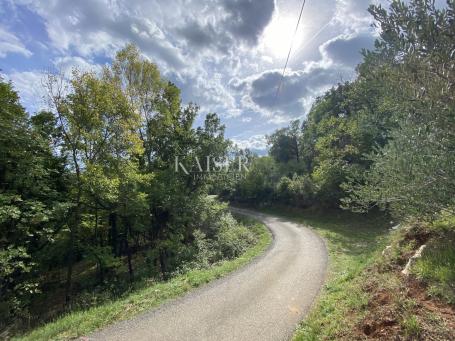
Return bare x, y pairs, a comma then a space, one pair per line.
353, 241
436, 267
411, 326
155, 293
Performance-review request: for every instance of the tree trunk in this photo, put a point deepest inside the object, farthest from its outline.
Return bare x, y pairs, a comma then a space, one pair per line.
163, 263
114, 233
130, 264
73, 235
100, 269
69, 273
129, 253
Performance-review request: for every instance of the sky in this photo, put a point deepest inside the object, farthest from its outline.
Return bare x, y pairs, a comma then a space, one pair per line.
225, 55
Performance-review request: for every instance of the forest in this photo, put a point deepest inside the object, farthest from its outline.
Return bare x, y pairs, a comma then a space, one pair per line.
90, 200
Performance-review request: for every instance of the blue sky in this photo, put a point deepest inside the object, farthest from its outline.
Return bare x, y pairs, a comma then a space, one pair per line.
225, 55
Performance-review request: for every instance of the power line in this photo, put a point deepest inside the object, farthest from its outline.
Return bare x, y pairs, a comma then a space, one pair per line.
300, 48
290, 49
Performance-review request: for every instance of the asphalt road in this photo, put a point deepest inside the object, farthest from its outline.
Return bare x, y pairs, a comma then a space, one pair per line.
264, 300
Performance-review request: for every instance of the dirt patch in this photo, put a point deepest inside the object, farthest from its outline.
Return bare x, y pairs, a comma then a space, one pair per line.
399, 307
379, 329
418, 291
380, 298
389, 307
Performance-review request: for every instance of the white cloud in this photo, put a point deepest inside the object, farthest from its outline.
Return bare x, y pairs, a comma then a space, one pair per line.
255, 142
352, 15
67, 63
9, 43
30, 87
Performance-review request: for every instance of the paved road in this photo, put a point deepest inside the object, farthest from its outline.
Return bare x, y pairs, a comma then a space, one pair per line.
265, 300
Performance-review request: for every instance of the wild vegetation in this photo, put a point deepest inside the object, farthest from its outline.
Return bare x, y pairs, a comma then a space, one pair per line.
90, 201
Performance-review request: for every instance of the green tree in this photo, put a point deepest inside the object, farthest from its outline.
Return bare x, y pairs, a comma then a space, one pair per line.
31, 207
285, 143
98, 135
167, 133
413, 174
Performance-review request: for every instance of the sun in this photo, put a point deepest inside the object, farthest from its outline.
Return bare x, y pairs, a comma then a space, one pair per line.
277, 36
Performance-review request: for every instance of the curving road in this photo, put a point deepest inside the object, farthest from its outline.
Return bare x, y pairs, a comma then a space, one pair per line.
265, 300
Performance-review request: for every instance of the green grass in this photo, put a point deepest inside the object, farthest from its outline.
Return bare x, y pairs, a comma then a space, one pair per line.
83, 322
411, 326
353, 241
436, 267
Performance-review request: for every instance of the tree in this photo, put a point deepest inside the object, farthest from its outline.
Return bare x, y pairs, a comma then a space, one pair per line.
91, 182
285, 143
167, 132
31, 209
413, 174
98, 135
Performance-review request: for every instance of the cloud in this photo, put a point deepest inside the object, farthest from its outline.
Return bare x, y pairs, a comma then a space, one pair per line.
352, 15
198, 35
228, 24
248, 18
346, 48
255, 142
214, 51
93, 27
30, 88
296, 87
9, 43
98, 27
67, 63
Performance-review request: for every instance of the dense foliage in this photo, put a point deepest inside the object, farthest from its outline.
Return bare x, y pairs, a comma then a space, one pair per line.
89, 197
385, 139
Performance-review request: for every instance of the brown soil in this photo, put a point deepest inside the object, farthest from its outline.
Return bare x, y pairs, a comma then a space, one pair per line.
390, 303
417, 291
384, 314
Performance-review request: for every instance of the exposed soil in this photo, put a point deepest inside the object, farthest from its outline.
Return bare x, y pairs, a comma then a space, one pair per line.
392, 301
384, 318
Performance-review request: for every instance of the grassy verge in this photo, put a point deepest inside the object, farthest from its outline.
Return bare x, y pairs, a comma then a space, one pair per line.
83, 322
436, 267
353, 241
365, 295
414, 307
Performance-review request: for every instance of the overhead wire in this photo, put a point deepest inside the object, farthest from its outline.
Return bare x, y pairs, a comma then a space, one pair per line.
290, 50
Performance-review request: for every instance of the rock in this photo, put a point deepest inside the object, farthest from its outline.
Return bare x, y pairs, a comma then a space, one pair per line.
386, 250
396, 227
407, 269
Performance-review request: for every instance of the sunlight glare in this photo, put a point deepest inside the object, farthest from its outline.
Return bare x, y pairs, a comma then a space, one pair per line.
278, 34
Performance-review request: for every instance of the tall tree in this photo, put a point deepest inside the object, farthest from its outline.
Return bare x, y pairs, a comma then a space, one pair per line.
285, 143
413, 173
31, 208
98, 133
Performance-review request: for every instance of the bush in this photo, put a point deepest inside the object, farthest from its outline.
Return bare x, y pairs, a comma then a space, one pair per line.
217, 236
233, 238
298, 191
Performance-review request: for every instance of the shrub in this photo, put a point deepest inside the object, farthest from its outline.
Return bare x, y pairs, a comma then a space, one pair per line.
233, 239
